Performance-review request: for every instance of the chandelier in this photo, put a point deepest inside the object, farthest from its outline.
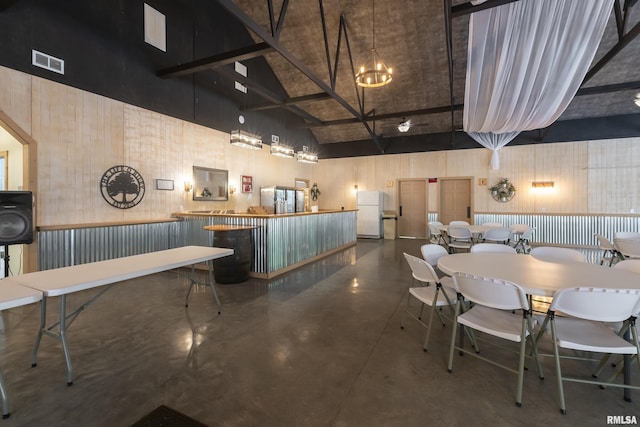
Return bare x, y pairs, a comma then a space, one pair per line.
373, 72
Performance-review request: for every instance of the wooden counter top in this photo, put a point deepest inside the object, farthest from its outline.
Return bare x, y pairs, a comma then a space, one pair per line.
244, 214
227, 227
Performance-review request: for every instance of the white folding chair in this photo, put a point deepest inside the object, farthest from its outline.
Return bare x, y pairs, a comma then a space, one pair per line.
432, 253
493, 313
609, 251
582, 327
497, 235
492, 247
459, 238
435, 234
459, 223
557, 254
432, 293
627, 244
521, 237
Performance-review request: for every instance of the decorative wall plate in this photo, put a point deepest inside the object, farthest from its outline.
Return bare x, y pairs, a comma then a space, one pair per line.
122, 187
503, 191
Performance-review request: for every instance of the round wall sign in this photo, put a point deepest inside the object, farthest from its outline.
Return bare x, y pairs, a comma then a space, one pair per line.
122, 187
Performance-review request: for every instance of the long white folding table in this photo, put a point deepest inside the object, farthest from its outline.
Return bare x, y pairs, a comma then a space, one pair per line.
14, 295
61, 282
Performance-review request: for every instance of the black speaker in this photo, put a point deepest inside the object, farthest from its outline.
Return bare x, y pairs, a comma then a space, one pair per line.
16, 217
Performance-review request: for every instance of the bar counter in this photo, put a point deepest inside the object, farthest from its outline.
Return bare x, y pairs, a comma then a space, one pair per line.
282, 242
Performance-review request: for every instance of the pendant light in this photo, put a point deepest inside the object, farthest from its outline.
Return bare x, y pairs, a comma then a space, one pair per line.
373, 72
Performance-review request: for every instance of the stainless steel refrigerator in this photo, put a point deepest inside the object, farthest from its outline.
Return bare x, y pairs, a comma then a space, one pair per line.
369, 215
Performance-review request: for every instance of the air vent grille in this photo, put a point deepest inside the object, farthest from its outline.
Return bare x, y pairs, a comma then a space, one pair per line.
47, 62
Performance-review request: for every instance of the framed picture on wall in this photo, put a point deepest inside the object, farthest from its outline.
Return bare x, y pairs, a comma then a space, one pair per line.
210, 184
247, 184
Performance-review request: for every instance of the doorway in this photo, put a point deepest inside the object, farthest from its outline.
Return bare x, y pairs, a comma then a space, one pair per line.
20, 174
412, 208
455, 200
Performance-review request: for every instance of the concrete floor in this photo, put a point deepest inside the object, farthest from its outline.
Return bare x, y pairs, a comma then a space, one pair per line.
319, 346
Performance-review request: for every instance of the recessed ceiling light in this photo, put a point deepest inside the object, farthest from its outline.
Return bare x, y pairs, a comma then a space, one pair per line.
637, 101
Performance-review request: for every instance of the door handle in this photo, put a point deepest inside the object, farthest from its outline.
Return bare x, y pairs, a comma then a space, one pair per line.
400, 210
468, 212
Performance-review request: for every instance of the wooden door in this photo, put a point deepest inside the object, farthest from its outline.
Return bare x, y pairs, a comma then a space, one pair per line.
455, 200
412, 208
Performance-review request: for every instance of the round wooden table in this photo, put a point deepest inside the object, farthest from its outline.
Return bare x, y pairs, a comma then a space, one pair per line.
234, 268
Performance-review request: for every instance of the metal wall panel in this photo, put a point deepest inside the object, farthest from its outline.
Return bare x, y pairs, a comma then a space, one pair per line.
566, 230
62, 248
280, 242
563, 230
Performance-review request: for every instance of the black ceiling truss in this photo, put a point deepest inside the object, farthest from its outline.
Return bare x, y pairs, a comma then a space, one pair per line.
271, 44
276, 27
623, 39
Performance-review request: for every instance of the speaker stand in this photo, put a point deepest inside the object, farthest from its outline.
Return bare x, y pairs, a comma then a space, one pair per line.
6, 260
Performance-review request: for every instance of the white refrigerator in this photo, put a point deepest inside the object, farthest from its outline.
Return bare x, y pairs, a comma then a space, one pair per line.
369, 215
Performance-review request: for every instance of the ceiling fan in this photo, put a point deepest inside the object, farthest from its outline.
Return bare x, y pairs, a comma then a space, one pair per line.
404, 126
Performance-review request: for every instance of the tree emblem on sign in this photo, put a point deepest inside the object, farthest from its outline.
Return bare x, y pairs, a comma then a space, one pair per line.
122, 187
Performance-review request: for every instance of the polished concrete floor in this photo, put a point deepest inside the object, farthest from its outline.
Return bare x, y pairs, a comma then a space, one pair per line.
319, 346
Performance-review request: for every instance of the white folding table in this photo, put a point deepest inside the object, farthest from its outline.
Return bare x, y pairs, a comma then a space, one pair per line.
14, 295
66, 280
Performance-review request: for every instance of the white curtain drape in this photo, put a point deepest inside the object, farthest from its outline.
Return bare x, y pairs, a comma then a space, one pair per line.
525, 63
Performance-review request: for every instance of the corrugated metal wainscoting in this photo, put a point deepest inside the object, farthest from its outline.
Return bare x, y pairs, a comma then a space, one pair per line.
563, 230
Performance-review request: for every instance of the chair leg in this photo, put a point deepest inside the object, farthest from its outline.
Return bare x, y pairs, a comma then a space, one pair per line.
556, 356
454, 331
523, 343
406, 308
534, 347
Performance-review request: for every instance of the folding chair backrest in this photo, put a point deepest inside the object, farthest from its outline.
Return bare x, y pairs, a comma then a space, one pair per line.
432, 253
436, 223
434, 229
492, 247
604, 243
528, 233
629, 265
519, 228
421, 270
498, 234
492, 293
459, 233
556, 254
598, 304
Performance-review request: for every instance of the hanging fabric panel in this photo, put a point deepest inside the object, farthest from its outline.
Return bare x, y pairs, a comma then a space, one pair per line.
526, 61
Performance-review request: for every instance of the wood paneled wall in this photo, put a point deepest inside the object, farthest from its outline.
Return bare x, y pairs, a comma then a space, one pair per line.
589, 176
79, 135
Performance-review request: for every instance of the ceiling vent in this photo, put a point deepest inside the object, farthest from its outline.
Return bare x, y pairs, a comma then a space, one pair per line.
47, 62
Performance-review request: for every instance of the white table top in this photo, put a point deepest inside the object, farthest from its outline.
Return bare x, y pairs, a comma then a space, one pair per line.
65, 280
538, 277
475, 229
13, 294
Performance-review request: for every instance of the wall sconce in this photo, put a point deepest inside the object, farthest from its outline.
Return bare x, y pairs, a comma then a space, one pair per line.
244, 139
355, 188
232, 189
187, 186
542, 184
